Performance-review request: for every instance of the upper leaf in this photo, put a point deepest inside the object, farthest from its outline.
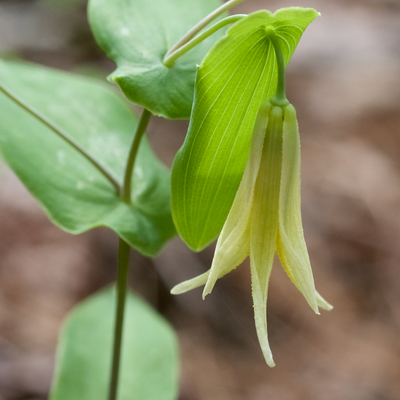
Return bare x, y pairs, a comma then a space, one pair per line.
235, 78
136, 34
149, 359
74, 194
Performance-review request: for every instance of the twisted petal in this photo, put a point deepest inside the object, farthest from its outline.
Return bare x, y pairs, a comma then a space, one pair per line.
291, 245
264, 225
233, 243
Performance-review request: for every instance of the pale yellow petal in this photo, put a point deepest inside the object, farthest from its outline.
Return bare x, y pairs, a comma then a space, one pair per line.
322, 303
291, 245
190, 284
259, 292
264, 226
233, 243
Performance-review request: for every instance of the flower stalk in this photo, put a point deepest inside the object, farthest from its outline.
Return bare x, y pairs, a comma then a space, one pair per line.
171, 57
201, 25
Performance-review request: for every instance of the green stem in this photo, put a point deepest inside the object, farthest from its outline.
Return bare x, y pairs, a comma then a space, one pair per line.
123, 258
141, 128
279, 98
170, 59
62, 135
203, 23
122, 284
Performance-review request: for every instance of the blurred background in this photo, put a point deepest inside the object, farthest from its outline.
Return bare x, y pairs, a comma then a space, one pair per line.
344, 80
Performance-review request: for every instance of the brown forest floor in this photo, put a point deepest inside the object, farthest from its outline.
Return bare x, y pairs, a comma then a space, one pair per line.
345, 83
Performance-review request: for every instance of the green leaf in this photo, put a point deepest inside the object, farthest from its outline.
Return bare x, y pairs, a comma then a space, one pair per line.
149, 359
136, 34
74, 194
235, 78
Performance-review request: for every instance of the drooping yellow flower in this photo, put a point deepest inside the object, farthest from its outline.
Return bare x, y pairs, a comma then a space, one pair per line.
265, 218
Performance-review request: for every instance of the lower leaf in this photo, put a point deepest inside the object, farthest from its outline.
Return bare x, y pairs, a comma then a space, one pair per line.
149, 361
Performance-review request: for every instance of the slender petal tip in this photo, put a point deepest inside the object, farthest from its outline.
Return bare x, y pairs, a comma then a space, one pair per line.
322, 303
190, 284
178, 289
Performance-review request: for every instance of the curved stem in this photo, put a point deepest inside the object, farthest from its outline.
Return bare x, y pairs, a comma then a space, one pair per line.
59, 132
170, 59
141, 128
203, 23
122, 284
279, 98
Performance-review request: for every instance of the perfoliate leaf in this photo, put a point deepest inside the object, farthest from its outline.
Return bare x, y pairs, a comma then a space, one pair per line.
235, 78
149, 360
136, 34
74, 194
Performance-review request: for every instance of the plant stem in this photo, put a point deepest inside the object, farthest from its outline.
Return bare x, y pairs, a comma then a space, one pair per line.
122, 283
203, 23
123, 259
279, 98
141, 128
171, 58
59, 132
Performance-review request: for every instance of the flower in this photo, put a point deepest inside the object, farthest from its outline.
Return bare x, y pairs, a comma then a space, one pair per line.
265, 218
